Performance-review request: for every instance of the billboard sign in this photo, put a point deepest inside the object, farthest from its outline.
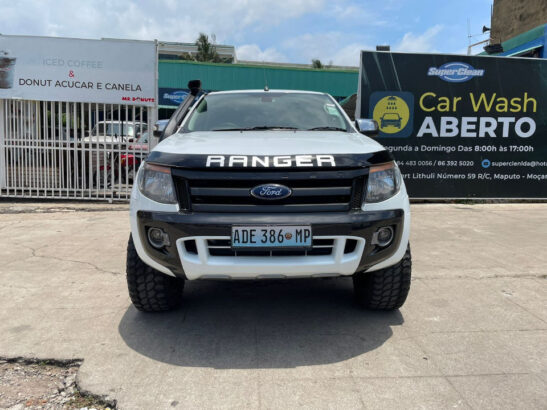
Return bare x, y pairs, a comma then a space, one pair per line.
460, 126
172, 96
66, 69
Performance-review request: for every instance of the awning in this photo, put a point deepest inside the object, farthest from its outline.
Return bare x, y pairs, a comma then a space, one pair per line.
517, 53
524, 48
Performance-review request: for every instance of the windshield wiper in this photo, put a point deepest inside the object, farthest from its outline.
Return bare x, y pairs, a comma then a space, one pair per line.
261, 127
326, 129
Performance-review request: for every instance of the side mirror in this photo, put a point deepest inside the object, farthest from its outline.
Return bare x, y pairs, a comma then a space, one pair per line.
157, 133
367, 126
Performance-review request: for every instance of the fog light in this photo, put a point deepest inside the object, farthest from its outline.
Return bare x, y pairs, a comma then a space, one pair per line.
158, 238
383, 236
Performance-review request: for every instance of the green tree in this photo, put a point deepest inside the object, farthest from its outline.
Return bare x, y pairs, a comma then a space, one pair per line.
206, 49
316, 63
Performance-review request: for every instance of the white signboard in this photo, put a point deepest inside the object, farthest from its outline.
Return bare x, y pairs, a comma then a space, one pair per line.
65, 69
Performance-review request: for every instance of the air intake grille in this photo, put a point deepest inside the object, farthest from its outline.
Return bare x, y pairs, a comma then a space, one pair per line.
221, 247
328, 191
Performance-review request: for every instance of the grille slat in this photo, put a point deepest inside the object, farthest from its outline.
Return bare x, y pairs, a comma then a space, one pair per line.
358, 192
221, 247
244, 192
269, 208
183, 193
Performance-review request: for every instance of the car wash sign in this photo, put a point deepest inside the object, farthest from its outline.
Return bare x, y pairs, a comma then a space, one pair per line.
65, 69
460, 126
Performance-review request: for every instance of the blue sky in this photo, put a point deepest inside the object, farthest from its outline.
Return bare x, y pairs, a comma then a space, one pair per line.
262, 30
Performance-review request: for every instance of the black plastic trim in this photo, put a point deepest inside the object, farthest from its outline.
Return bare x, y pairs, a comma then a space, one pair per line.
274, 174
360, 224
198, 161
183, 193
358, 192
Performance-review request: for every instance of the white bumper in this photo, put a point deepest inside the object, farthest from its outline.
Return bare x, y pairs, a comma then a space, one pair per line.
203, 264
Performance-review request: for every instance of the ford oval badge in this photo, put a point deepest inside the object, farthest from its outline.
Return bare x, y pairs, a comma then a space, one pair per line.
271, 191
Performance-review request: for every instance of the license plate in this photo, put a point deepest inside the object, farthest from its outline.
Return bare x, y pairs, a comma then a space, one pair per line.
271, 236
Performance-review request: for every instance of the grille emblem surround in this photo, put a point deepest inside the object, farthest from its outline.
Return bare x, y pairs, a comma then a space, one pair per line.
271, 192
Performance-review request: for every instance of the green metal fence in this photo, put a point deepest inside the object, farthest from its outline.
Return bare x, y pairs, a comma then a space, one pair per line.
219, 77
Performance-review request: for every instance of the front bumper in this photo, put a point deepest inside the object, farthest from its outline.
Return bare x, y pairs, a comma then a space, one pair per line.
339, 228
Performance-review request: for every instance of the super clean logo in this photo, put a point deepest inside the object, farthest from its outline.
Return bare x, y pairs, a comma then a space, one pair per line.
176, 96
456, 72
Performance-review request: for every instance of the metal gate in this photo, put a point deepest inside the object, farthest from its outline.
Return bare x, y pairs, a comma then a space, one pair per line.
69, 150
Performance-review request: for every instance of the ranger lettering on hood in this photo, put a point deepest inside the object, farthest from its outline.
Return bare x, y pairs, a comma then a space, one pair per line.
277, 161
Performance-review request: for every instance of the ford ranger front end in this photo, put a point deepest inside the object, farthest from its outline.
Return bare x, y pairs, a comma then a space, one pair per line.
268, 184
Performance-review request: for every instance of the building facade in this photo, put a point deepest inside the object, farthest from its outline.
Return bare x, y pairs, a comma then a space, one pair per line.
519, 26
175, 51
511, 18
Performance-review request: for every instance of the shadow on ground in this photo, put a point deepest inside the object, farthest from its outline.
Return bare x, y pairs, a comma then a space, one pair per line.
260, 324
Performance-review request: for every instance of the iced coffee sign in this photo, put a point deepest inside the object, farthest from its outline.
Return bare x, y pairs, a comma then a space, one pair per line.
61, 69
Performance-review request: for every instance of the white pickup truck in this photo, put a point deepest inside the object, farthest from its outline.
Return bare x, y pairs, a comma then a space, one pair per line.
115, 132
268, 184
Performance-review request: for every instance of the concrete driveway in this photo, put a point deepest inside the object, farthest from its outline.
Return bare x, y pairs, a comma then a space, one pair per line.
473, 333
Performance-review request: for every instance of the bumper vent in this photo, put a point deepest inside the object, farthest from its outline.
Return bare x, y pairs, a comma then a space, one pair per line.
221, 247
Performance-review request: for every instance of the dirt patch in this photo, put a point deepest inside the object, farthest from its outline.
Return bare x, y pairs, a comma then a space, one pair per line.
30, 384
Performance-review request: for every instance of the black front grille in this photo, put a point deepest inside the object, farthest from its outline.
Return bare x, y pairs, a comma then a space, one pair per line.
229, 191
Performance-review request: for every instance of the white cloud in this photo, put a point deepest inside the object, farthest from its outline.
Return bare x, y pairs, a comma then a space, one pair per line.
327, 47
349, 55
167, 20
252, 52
421, 43
267, 12
309, 46
232, 21
351, 13
301, 30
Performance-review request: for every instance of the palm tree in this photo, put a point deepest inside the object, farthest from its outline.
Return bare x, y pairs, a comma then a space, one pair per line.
206, 50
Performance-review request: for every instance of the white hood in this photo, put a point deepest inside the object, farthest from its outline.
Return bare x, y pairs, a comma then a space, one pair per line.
268, 143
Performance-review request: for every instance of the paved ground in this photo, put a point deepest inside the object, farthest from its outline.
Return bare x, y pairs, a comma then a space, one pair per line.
473, 333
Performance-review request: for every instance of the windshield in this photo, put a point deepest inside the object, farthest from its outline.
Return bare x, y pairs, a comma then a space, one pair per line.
114, 128
266, 110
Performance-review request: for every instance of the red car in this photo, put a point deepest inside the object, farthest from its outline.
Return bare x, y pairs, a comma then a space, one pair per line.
131, 161
139, 151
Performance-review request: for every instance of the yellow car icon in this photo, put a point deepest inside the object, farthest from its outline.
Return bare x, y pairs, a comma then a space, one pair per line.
390, 119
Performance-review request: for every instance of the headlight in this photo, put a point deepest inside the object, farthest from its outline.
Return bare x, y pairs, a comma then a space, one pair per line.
384, 181
155, 182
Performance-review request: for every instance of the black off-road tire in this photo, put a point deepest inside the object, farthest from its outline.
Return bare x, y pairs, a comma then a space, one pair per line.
384, 289
150, 290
